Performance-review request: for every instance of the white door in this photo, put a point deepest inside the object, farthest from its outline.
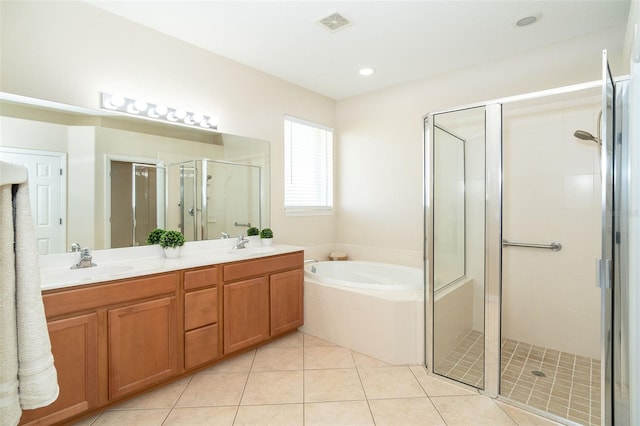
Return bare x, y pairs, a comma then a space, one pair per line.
46, 191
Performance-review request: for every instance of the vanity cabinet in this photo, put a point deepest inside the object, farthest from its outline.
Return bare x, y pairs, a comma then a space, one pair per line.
262, 299
115, 339
74, 343
201, 306
142, 345
109, 340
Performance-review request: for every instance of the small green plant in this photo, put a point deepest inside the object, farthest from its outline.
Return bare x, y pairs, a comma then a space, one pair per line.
154, 236
171, 239
253, 231
266, 233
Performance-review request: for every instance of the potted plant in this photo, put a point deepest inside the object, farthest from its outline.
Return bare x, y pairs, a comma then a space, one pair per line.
253, 234
154, 236
266, 235
171, 241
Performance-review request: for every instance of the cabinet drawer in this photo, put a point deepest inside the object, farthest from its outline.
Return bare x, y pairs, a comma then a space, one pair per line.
200, 308
200, 278
201, 345
245, 269
92, 297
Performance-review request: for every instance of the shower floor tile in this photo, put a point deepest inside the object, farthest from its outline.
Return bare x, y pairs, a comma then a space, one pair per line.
560, 383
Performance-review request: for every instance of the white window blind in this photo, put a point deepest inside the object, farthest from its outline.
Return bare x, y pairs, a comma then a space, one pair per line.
308, 162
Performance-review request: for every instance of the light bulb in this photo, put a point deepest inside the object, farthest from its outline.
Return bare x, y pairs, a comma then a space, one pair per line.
161, 110
180, 114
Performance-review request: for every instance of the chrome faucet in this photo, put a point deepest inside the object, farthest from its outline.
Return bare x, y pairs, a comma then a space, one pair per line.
85, 259
224, 235
75, 247
241, 243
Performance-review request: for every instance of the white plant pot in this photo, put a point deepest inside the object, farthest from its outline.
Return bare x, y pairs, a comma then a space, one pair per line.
254, 240
171, 252
267, 241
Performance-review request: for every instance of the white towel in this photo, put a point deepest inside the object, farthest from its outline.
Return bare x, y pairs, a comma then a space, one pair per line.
30, 376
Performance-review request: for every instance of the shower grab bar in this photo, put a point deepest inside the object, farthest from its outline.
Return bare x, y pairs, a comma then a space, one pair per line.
554, 246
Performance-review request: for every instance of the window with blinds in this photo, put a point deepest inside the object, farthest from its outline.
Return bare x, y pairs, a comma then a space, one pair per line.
308, 163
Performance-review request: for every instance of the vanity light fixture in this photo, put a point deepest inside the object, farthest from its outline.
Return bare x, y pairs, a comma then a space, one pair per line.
161, 112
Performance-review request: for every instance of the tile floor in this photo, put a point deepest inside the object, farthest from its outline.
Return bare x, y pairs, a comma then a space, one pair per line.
569, 385
302, 380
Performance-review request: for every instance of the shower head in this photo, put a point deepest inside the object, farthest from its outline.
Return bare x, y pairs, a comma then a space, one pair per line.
586, 136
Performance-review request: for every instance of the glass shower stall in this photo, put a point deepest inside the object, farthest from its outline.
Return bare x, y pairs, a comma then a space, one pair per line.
525, 250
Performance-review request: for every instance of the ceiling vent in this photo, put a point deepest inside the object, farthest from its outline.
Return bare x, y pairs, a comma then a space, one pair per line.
334, 22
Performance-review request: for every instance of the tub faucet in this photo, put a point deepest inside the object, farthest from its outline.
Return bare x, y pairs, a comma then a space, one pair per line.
306, 261
85, 259
241, 243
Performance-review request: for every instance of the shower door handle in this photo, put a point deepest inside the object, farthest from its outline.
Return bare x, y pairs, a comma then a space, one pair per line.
603, 268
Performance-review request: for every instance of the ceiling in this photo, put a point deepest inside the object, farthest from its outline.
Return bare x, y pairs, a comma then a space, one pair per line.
401, 40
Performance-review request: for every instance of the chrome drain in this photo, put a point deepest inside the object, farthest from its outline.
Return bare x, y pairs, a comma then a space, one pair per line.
538, 373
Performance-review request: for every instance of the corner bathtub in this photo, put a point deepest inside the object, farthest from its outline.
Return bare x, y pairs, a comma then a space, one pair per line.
372, 308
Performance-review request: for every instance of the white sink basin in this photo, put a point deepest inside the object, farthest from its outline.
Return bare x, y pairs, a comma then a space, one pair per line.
86, 274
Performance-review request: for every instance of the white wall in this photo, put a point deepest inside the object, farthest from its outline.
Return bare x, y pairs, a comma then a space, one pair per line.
68, 52
379, 153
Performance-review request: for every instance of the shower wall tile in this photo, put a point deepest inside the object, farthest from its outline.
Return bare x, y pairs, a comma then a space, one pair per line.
578, 191
552, 193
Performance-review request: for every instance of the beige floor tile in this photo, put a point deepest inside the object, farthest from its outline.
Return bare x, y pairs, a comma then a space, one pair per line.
270, 415
351, 413
132, 417
278, 358
362, 360
87, 421
471, 410
201, 416
390, 382
293, 339
164, 397
273, 387
310, 340
405, 412
435, 386
237, 364
318, 357
332, 385
524, 418
213, 390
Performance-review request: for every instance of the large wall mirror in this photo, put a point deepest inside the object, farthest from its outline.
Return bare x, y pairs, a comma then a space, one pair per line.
106, 180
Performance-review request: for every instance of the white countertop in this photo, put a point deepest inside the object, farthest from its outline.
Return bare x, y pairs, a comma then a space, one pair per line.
114, 264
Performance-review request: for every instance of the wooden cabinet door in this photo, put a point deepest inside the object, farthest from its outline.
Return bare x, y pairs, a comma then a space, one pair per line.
286, 291
74, 344
246, 313
142, 345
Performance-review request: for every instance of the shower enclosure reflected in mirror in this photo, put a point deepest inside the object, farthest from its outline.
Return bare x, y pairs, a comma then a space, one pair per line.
457, 148
212, 198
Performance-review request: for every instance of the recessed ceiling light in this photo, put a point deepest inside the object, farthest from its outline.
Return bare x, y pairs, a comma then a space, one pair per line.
366, 71
527, 20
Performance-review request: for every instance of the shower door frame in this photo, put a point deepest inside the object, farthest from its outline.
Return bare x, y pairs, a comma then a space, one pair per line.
493, 231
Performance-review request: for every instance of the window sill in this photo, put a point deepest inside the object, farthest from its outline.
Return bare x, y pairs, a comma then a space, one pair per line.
308, 212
